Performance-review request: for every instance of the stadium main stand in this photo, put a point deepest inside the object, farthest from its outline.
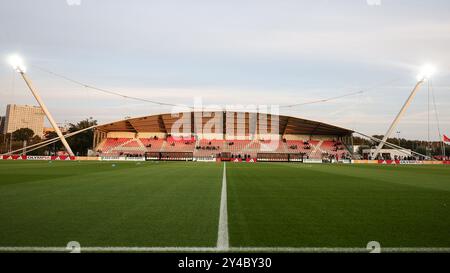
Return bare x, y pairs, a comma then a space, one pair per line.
294, 140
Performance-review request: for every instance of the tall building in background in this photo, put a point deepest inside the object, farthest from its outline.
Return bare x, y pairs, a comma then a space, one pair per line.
24, 116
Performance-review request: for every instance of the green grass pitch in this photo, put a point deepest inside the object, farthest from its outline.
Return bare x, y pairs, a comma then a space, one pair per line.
177, 204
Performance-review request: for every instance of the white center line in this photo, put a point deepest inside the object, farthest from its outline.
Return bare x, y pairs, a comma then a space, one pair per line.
222, 238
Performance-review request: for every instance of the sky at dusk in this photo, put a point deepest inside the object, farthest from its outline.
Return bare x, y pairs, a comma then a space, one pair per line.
232, 52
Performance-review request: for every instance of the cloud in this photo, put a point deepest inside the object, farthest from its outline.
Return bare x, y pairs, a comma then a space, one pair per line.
264, 52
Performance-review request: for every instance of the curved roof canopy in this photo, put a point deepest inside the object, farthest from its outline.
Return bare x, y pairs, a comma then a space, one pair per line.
220, 122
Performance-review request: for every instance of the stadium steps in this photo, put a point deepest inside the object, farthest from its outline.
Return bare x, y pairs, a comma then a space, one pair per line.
163, 146
112, 143
316, 151
100, 145
132, 146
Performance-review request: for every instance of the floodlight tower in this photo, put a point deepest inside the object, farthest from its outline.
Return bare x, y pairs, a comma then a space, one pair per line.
18, 65
426, 72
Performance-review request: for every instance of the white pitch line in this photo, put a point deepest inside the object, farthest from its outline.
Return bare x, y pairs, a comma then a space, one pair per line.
108, 249
222, 236
339, 249
230, 249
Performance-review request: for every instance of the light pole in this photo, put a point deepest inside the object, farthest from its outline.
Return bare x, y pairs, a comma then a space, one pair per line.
10, 142
18, 65
425, 74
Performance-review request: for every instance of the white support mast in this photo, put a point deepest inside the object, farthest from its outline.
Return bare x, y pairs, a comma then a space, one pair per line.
425, 74
17, 64
397, 118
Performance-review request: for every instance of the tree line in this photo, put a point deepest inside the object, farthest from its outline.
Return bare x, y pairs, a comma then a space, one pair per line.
80, 143
434, 148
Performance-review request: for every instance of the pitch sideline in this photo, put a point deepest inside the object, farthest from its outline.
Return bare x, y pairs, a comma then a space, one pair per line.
230, 249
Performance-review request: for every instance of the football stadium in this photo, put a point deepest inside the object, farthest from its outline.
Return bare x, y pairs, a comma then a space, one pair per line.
260, 178
222, 136
211, 181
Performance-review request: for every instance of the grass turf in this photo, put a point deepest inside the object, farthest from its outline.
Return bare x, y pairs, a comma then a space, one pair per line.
147, 204
294, 205
177, 204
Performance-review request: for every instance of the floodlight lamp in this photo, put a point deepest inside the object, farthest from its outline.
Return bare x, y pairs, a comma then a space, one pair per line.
17, 63
426, 72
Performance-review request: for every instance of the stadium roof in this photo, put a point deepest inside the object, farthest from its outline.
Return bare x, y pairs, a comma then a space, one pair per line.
164, 123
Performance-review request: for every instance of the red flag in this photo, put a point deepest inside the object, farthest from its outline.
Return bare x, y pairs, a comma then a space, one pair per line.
446, 138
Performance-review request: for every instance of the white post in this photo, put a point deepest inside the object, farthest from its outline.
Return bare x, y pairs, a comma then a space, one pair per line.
10, 142
397, 118
443, 148
47, 113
